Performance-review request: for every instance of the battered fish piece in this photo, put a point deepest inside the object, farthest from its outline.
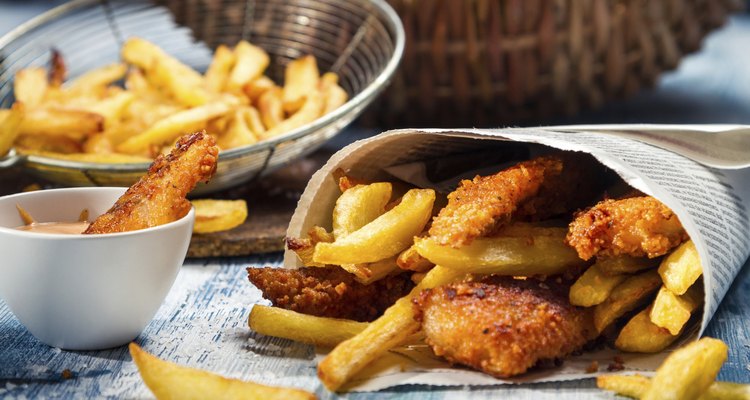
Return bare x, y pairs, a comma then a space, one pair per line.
329, 291
635, 226
500, 325
159, 196
531, 190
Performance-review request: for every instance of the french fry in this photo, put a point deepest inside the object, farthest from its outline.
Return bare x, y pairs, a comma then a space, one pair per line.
112, 108
309, 112
255, 88
301, 77
237, 133
370, 272
34, 144
411, 260
381, 335
97, 79
384, 237
218, 71
640, 335
624, 264
171, 127
593, 287
625, 297
543, 255
30, 86
673, 311
250, 62
359, 206
271, 109
305, 248
287, 324
74, 124
688, 372
635, 386
171, 381
218, 215
527, 229
681, 268
335, 96
10, 124
254, 121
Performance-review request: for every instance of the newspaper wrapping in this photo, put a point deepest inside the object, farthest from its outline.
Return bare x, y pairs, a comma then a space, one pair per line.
711, 204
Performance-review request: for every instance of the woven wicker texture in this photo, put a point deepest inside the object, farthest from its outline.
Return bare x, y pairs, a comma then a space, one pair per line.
487, 62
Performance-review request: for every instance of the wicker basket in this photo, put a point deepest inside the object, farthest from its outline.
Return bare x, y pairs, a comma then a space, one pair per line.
487, 62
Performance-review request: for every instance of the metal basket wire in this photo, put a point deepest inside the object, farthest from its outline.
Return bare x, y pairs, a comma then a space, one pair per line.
361, 40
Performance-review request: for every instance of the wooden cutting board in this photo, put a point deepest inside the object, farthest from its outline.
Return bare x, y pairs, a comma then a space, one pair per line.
271, 201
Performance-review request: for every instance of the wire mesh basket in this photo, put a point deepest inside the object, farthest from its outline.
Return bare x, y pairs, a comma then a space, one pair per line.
360, 40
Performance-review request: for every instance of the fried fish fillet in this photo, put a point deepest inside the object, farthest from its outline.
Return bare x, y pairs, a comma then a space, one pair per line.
329, 291
159, 196
635, 226
500, 325
530, 190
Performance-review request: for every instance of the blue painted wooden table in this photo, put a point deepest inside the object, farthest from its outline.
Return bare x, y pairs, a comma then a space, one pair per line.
203, 322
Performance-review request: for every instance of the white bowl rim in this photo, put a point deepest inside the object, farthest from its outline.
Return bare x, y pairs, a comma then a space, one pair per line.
64, 236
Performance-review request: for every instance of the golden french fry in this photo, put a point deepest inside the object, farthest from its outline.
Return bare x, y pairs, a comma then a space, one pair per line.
359, 206
301, 77
309, 112
593, 287
31, 144
335, 95
625, 297
250, 62
673, 311
370, 272
384, 237
411, 260
305, 248
254, 121
287, 324
255, 88
30, 86
171, 381
625, 385
171, 127
543, 255
218, 71
688, 372
237, 133
635, 386
112, 108
10, 124
529, 229
681, 268
381, 335
271, 110
60, 122
97, 79
640, 335
218, 215
624, 264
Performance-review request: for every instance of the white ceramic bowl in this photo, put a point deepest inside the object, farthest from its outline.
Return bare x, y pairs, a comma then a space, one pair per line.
85, 292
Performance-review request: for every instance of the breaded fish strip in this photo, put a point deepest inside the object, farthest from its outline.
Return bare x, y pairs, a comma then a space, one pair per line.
500, 325
328, 291
636, 226
159, 196
479, 205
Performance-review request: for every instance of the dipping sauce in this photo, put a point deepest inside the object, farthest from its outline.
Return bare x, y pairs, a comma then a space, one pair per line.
69, 228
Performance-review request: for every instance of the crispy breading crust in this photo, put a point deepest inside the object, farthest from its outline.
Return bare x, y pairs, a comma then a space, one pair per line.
500, 325
329, 291
479, 205
159, 196
636, 226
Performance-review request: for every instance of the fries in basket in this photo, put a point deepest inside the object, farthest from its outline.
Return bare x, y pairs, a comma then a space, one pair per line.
99, 120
